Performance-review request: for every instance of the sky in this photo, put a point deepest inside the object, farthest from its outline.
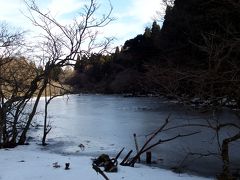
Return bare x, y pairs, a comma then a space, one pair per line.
131, 16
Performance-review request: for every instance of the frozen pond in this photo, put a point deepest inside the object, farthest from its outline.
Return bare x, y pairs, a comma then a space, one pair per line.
106, 123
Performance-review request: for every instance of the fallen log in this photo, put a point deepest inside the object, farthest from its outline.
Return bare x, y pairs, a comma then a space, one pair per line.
98, 170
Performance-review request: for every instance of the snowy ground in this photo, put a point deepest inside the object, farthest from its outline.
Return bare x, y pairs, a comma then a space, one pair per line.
32, 163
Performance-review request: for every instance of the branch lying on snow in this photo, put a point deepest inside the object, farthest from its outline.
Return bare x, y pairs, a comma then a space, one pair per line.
98, 170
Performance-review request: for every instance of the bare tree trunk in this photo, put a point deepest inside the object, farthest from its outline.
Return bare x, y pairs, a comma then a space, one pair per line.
23, 136
225, 158
45, 131
1, 127
14, 129
226, 173
44, 137
45, 126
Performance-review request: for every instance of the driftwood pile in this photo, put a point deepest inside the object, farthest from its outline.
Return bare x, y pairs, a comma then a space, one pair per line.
110, 165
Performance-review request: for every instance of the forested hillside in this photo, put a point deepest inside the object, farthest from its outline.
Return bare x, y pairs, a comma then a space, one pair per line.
194, 54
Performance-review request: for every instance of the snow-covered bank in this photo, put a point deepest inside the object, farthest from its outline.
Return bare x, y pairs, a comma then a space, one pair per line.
31, 163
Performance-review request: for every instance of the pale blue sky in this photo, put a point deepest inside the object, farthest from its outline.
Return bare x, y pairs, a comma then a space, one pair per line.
132, 16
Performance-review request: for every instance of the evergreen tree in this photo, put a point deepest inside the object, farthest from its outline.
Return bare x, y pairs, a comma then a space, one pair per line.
147, 32
155, 30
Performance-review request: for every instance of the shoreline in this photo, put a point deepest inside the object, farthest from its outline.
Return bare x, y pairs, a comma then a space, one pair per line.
31, 162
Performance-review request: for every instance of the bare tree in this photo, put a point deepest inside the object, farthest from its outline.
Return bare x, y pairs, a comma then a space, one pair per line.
149, 144
52, 91
59, 46
15, 74
11, 42
223, 138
